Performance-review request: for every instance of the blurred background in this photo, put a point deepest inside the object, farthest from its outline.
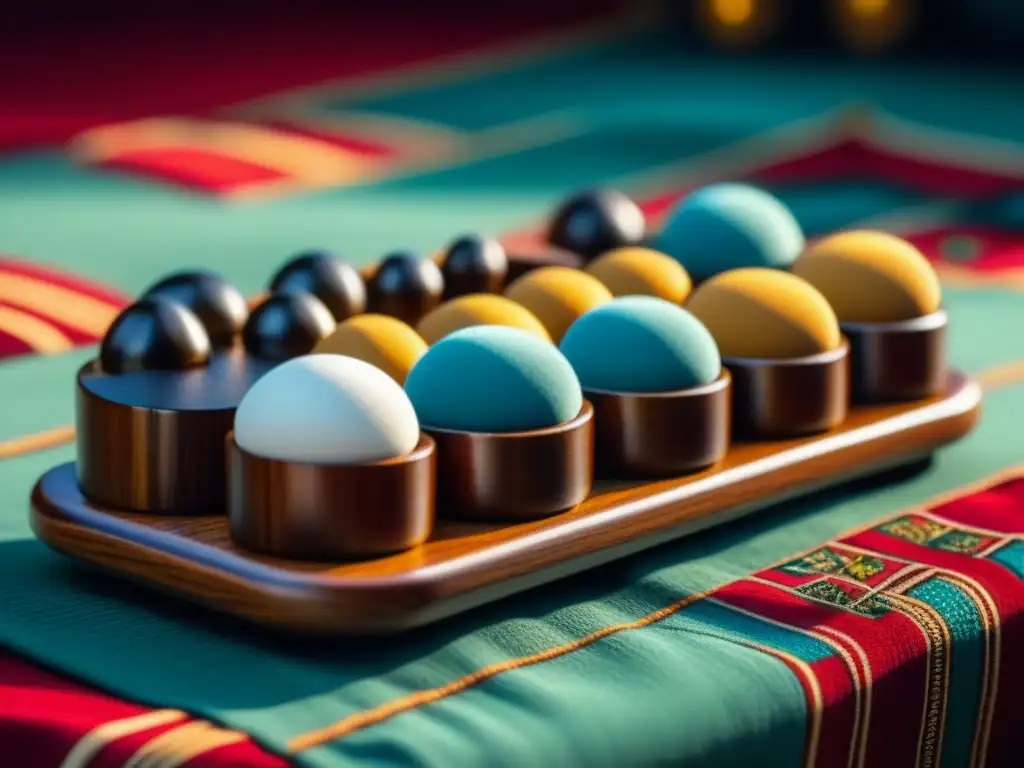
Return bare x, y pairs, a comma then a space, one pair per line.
138, 138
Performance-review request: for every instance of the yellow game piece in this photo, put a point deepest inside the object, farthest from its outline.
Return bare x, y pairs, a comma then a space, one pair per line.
478, 309
642, 272
871, 277
557, 296
379, 340
766, 314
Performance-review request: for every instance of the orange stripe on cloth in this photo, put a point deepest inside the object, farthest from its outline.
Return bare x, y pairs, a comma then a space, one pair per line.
176, 747
37, 441
92, 743
38, 335
64, 279
70, 308
305, 159
369, 717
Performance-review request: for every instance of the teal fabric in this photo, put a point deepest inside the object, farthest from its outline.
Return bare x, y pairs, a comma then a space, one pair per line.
683, 691
1012, 556
489, 378
641, 344
966, 666
729, 226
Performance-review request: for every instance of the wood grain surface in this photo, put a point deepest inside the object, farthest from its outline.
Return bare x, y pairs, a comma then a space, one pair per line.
464, 565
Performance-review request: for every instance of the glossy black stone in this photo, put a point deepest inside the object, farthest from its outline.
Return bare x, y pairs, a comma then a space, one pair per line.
220, 306
594, 222
474, 264
154, 334
332, 280
406, 286
286, 326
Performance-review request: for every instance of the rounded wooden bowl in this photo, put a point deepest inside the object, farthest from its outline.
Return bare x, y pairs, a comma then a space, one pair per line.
515, 475
153, 441
789, 397
900, 361
324, 512
663, 433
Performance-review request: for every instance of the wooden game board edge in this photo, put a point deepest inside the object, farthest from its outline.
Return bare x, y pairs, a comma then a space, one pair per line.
313, 603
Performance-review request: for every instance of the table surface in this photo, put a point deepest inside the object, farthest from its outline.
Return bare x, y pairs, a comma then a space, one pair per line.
865, 626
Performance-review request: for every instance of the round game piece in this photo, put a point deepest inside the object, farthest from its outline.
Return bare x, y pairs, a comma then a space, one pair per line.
642, 272
888, 301
479, 309
730, 226
765, 314
326, 409
405, 286
474, 264
653, 375
332, 280
558, 296
641, 344
493, 379
593, 222
154, 334
381, 341
286, 326
220, 307
871, 277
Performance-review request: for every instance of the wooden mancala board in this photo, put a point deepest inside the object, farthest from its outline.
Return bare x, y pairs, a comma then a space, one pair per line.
466, 563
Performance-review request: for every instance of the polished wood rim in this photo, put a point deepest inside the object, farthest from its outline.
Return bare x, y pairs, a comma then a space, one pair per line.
660, 434
897, 361
515, 475
465, 565
331, 511
790, 397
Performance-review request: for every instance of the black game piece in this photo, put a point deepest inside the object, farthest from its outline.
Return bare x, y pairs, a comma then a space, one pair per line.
597, 221
154, 334
332, 280
220, 307
286, 326
474, 264
406, 286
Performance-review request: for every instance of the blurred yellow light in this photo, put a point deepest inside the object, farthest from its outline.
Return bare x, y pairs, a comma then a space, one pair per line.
733, 13
869, 9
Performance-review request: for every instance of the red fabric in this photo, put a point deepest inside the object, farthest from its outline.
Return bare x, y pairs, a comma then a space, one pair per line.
11, 346
893, 726
64, 280
838, 705
117, 68
1005, 590
848, 158
995, 251
43, 716
207, 171
358, 145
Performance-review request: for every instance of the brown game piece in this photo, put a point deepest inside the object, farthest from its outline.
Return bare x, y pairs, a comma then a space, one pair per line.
521, 261
324, 512
790, 397
515, 475
335, 282
596, 221
218, 305
153, 441
405, 286
474, 264
464, 565
663, 433
897, 361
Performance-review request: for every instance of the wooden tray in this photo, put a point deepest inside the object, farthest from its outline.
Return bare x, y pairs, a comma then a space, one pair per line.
466, 565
